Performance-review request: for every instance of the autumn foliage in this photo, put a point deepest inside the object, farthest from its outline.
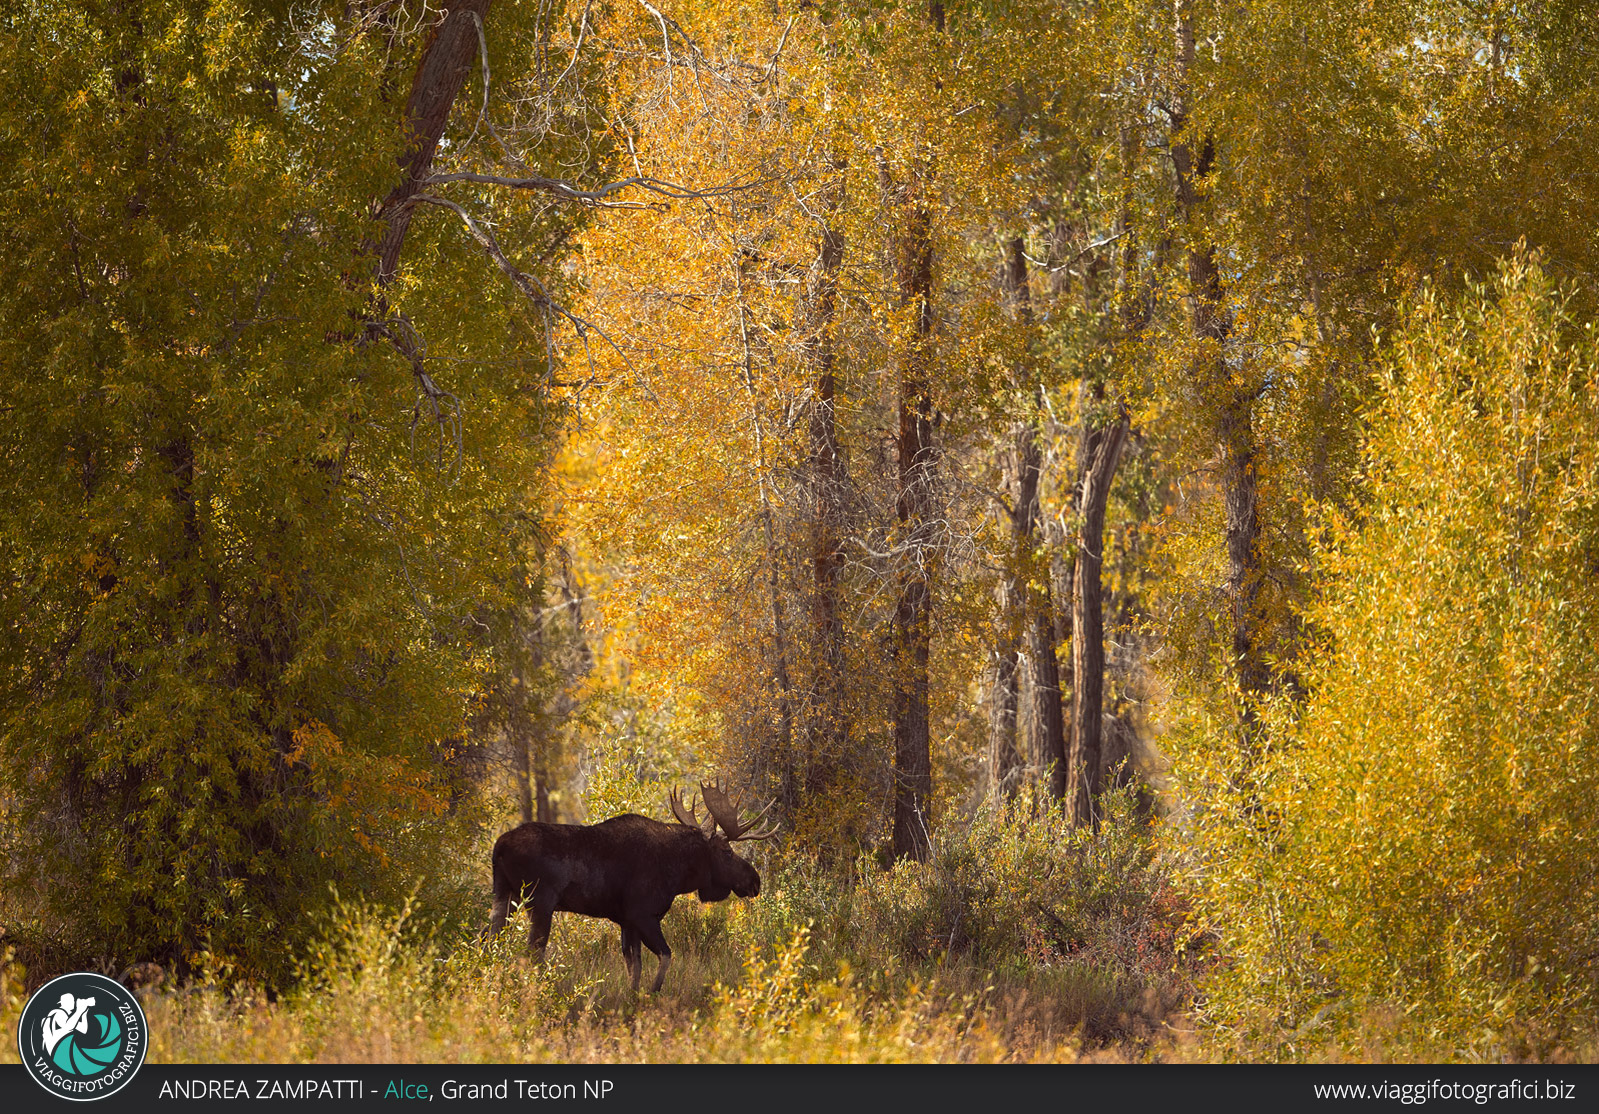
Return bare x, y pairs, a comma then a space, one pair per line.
1118, 476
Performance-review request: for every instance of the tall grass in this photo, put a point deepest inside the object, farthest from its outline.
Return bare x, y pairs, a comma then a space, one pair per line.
1018, 940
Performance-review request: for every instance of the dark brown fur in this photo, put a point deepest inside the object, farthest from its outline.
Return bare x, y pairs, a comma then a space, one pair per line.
628, 869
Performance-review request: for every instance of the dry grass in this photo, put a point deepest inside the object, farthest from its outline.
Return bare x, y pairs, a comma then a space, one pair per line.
376, 995
377, 990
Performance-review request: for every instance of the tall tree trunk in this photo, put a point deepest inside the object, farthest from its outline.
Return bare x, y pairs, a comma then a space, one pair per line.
1028, 598
780, 649
827, 730
1038, 600
1102, 452
913, 774
1231, 402
913, 628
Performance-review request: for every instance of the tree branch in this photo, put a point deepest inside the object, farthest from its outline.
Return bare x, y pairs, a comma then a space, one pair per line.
593, 198
526, 283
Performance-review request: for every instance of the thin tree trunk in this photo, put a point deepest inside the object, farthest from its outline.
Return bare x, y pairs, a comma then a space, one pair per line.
1004, 757
1049, 713
1104, 448
530, 734
565, 703
785, 688
1232, 403
1036, 597
543, 788
520, 737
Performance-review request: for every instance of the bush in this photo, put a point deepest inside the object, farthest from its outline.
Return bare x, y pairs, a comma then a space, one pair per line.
1087, 922
1422, 840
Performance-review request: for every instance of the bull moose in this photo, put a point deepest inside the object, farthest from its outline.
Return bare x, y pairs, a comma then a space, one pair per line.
628, 869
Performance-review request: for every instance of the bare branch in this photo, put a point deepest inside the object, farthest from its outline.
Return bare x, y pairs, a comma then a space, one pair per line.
771, 67
582, 31
1095, 246
595, 198
483, 113
523, 281
445, 406
666, 39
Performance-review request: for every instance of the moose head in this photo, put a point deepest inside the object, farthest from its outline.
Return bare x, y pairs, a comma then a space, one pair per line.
728, 872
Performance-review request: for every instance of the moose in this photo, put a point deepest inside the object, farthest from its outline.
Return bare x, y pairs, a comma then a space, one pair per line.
628, 869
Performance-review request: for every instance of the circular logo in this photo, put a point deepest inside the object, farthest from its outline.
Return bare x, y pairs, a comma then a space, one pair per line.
82, 1036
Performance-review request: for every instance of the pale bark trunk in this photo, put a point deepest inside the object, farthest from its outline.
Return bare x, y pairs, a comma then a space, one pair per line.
1104, 449
780, 650
1005, 761
575, 661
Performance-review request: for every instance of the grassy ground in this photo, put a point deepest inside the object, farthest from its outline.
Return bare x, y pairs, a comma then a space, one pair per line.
942, 962
484, 1002
1016, 943
379, 989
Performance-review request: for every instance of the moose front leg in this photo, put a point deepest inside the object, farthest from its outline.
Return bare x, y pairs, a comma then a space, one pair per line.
539, 912
632, 956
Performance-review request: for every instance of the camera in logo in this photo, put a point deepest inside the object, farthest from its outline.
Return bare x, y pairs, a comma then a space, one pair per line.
82, 1036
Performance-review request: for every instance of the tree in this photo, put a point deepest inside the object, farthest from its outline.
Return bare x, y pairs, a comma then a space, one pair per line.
251, 546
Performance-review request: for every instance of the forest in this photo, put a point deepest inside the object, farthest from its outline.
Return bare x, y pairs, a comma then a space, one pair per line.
1119, 477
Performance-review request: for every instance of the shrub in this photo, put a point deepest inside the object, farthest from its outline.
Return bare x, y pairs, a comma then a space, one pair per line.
1087, 917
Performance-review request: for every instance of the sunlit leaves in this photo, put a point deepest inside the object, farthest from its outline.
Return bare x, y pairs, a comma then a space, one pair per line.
1421, 836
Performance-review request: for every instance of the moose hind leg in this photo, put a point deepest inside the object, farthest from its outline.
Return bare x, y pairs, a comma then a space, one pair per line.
502, 903
650, 933
539, 912
631, 955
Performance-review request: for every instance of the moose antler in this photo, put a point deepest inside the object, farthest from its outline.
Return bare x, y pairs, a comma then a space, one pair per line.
724, 810
688, 816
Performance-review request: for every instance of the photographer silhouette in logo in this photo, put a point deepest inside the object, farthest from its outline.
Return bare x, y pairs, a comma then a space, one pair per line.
66, 1018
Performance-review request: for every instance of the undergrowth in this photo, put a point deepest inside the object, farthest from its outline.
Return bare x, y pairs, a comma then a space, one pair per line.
1017, 940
